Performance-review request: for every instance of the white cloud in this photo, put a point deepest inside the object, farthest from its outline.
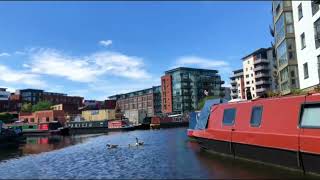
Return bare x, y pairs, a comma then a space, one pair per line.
20, 53
87, 68
20, 77
200, 62
105, 43
4, 54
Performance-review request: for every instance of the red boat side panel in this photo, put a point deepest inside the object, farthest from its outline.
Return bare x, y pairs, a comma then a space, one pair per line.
278, 128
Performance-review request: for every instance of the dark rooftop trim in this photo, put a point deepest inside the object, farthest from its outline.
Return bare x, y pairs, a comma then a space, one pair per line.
190, 69
258, 51
118, 95
31, 90
237, 71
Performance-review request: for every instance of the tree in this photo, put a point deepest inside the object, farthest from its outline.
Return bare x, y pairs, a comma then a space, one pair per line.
26, 107
41, 105
7, 118
203, 101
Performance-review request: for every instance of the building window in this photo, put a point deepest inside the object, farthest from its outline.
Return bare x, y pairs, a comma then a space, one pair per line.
305, 70
229, 116
300, 14
293, 82
251, 75
256, 115
310, 115
303, 41
315, 7
248, 82
292, 74
316, 26
252, 88
32, 119
47, 119
318, 66
247, 75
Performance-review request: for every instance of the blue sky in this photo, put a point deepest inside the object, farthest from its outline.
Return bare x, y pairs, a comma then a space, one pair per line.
98, 49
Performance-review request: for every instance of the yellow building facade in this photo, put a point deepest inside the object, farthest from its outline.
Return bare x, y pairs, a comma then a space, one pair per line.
98, 115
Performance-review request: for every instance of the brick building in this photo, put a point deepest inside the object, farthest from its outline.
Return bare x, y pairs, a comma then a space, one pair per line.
43, 117
148, 100
33, 96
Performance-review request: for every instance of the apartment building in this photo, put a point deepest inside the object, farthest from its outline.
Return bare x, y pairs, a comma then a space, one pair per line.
237, 85
33, 96
285, 46
148, 100
306, 17
258, 69
183, 88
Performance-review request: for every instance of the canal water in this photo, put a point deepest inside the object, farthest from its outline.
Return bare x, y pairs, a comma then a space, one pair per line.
167, 153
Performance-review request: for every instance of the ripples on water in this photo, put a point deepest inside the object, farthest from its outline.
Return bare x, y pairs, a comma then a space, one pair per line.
166, 154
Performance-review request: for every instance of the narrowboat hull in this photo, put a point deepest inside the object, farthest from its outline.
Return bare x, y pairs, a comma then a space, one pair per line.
277, 131
269, 156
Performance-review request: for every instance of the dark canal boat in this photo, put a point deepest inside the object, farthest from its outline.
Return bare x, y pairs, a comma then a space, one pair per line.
282, 131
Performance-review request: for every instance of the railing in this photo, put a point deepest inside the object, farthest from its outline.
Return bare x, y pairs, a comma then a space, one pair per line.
258, 61
262, 82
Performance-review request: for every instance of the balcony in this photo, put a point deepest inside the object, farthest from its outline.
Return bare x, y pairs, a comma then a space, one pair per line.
260, 90
260, 75
233, 83
260, 61
261, 82
259, 68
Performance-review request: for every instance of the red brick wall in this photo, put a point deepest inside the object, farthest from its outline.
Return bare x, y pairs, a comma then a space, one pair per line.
43, 116
166, 90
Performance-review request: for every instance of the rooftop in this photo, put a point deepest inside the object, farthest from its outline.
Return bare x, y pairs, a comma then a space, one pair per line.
258, 51
190, 69
134, 92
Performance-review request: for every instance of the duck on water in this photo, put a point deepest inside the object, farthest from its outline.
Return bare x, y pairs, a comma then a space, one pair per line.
138, 143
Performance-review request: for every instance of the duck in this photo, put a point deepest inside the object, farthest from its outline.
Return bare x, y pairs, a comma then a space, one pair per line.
139, 143
110, 146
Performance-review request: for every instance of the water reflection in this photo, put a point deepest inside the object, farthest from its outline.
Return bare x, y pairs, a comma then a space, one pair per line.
167, 153
40, 144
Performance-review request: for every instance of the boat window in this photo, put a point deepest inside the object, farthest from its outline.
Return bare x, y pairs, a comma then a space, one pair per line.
256, 115
310, 116
229, 116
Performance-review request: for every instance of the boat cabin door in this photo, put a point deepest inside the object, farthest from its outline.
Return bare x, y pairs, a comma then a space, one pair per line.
229, 116
309, 136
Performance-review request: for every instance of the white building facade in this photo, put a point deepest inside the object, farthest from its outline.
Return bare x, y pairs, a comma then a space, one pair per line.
237, 85
306, 16
258, 69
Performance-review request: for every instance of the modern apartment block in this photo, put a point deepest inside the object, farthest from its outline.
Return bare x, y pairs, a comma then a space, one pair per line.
306, 17
258, 70
146, 99
33, 96
183, 88
285, 46
237, 85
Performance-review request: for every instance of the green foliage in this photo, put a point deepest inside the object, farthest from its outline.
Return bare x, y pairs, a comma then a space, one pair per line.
26, 107
6, 118
203, 101
317, 89
297, 92
41, 105
273, 94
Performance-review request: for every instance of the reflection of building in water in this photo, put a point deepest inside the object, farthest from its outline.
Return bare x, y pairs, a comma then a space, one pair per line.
35, 145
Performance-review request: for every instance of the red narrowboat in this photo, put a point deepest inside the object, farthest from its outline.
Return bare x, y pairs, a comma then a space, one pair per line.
282, 131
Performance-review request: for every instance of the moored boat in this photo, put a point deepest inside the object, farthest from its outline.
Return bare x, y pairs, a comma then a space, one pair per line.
198, 119
282, 131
